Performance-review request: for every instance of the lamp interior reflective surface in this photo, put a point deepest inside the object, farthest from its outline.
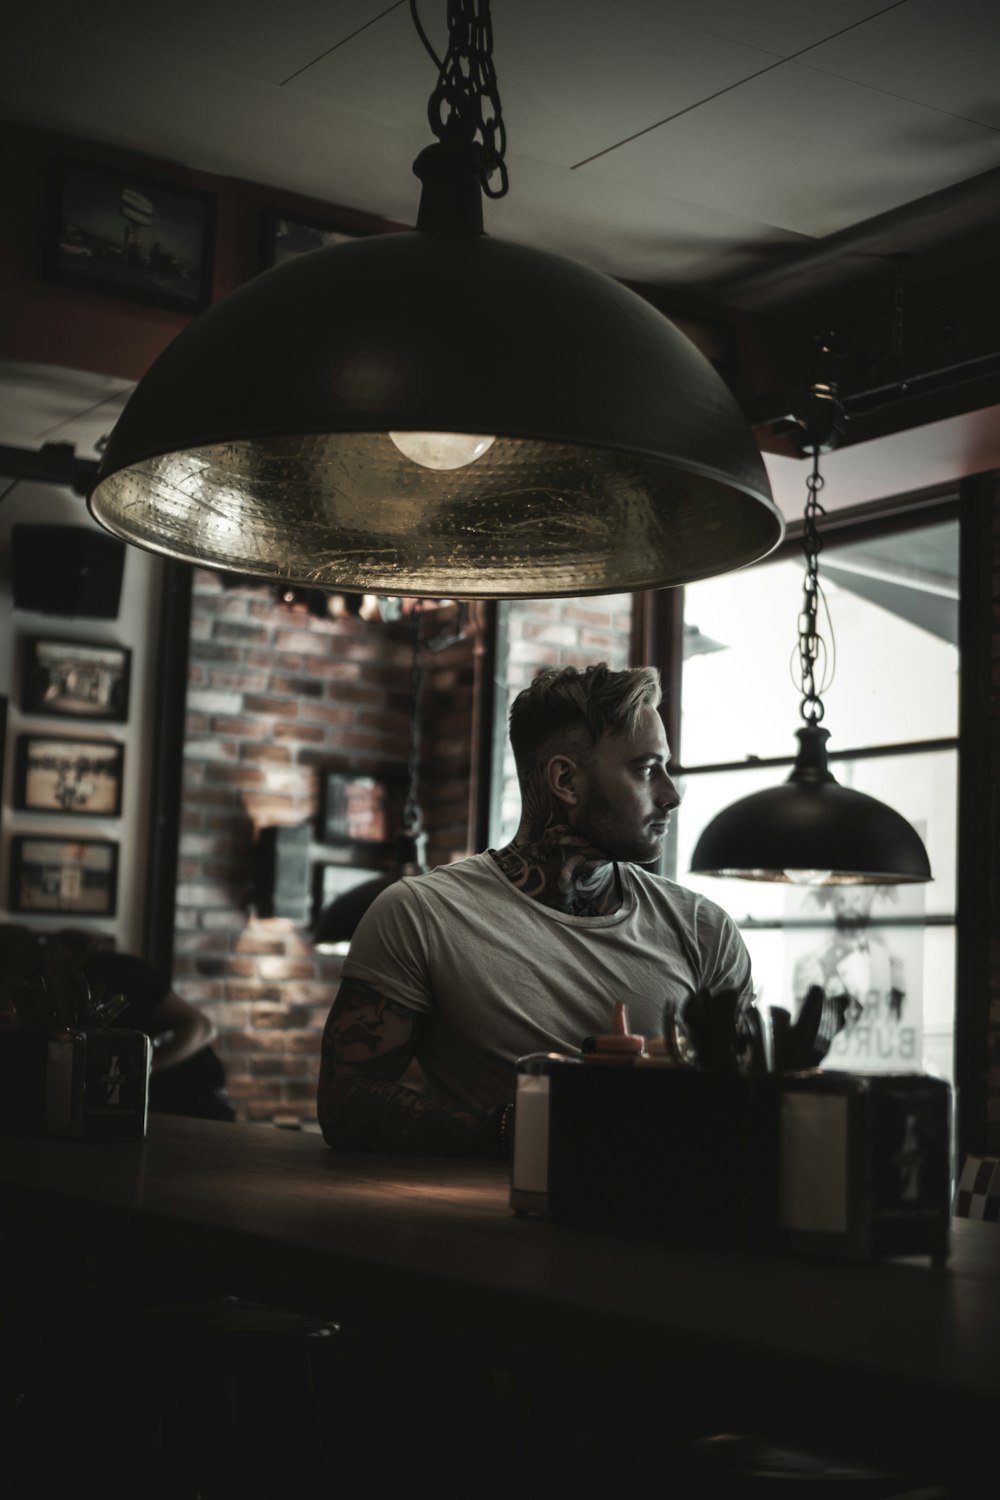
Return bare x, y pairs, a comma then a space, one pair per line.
348, 510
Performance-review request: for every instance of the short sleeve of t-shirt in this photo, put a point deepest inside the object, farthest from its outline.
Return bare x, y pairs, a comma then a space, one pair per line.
389, 949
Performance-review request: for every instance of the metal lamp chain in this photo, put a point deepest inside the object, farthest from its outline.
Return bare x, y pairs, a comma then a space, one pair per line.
465, 103
810, 641
413, 821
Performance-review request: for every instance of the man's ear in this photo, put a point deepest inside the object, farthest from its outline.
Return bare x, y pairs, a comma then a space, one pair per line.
562, 777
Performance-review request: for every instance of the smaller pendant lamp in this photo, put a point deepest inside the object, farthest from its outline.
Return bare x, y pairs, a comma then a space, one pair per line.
811, 830
440, 412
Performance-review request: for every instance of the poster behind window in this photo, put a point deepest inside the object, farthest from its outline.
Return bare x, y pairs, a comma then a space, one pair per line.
875, 963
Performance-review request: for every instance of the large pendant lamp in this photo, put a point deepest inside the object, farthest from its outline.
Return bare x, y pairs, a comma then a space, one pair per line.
811, 830
440, 412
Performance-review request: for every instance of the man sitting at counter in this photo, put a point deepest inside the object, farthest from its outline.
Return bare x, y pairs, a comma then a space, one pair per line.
525, 949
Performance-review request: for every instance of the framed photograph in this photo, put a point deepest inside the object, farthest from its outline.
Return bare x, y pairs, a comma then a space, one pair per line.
353, 809
55, 875
284, 236
79, 777
76, 679
111, 229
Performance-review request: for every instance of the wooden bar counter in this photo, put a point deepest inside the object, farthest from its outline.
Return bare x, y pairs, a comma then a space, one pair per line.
899, 1357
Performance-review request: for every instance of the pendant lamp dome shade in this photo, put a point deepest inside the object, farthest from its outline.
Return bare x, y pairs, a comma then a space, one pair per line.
259, 442
812, 831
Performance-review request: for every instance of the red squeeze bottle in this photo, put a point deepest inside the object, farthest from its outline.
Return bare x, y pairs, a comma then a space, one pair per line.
620, 1043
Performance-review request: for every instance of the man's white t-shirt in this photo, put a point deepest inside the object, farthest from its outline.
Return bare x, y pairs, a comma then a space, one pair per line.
498, 975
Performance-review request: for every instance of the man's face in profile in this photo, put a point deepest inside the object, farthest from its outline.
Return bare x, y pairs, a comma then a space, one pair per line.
625, 796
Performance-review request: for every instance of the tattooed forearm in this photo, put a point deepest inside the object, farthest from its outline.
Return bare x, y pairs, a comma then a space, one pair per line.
368, 1042
361, 1114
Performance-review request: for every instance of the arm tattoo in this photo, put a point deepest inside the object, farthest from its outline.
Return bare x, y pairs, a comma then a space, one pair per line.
368, 1042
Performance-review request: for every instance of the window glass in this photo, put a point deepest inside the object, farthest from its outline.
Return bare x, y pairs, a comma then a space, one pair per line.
892, 634
899, 979
889, 950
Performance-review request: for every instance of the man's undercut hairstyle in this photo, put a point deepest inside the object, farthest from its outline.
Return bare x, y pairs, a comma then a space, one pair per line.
566, 709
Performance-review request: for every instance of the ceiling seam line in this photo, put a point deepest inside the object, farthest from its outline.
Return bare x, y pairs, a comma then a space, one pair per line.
678, 113
891, 94
343, 41
792, 56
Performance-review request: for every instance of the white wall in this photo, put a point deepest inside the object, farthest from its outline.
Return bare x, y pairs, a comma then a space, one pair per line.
136, 628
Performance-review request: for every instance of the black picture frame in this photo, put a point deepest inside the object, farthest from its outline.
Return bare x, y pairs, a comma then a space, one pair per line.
70, 777
353, 809
287, 235
116, 231
65, 679
70, 877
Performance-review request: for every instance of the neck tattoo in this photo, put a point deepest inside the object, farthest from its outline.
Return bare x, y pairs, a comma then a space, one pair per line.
560, 869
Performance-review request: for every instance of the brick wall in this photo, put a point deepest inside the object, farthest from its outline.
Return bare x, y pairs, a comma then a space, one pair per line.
274, 694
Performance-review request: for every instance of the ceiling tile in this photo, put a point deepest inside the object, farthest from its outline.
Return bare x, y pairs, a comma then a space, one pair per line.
255, 41
806, 151
946, 56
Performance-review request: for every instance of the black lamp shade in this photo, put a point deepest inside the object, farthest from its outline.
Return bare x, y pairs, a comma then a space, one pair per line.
812, 830
259, 441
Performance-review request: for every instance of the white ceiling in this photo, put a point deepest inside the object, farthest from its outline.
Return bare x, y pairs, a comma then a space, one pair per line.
674, 142
686, 144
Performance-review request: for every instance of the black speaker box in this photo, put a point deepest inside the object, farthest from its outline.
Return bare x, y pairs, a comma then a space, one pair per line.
67, 570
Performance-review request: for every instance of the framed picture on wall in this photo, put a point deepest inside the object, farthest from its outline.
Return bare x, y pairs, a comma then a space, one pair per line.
75, 679
353, 809
78, 878
114, 230
284, 236
82, 778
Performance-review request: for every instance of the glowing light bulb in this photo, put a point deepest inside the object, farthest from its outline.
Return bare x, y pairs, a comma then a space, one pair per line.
807, 877
442, 450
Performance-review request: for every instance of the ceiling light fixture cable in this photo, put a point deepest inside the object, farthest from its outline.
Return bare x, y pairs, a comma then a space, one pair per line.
440, 413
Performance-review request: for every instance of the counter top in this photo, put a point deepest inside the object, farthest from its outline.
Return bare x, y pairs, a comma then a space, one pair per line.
432, 1240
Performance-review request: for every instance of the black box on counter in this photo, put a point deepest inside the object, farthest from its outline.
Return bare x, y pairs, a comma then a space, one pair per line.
116, 1096
864, 1165
833, 1164
71, 1085
674, 1154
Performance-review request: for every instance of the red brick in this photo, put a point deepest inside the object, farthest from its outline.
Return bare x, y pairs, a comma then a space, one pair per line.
253, 729
280, 707
299, 734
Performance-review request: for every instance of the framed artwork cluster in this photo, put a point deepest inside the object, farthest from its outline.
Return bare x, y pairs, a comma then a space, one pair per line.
69, 775
119, 232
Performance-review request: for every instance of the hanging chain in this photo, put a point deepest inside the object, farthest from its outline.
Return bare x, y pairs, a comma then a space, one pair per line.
811, 650
465, 103
413, 821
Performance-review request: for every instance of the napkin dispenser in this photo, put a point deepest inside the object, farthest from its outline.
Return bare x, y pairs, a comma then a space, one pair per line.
864, 1165
832, 1164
